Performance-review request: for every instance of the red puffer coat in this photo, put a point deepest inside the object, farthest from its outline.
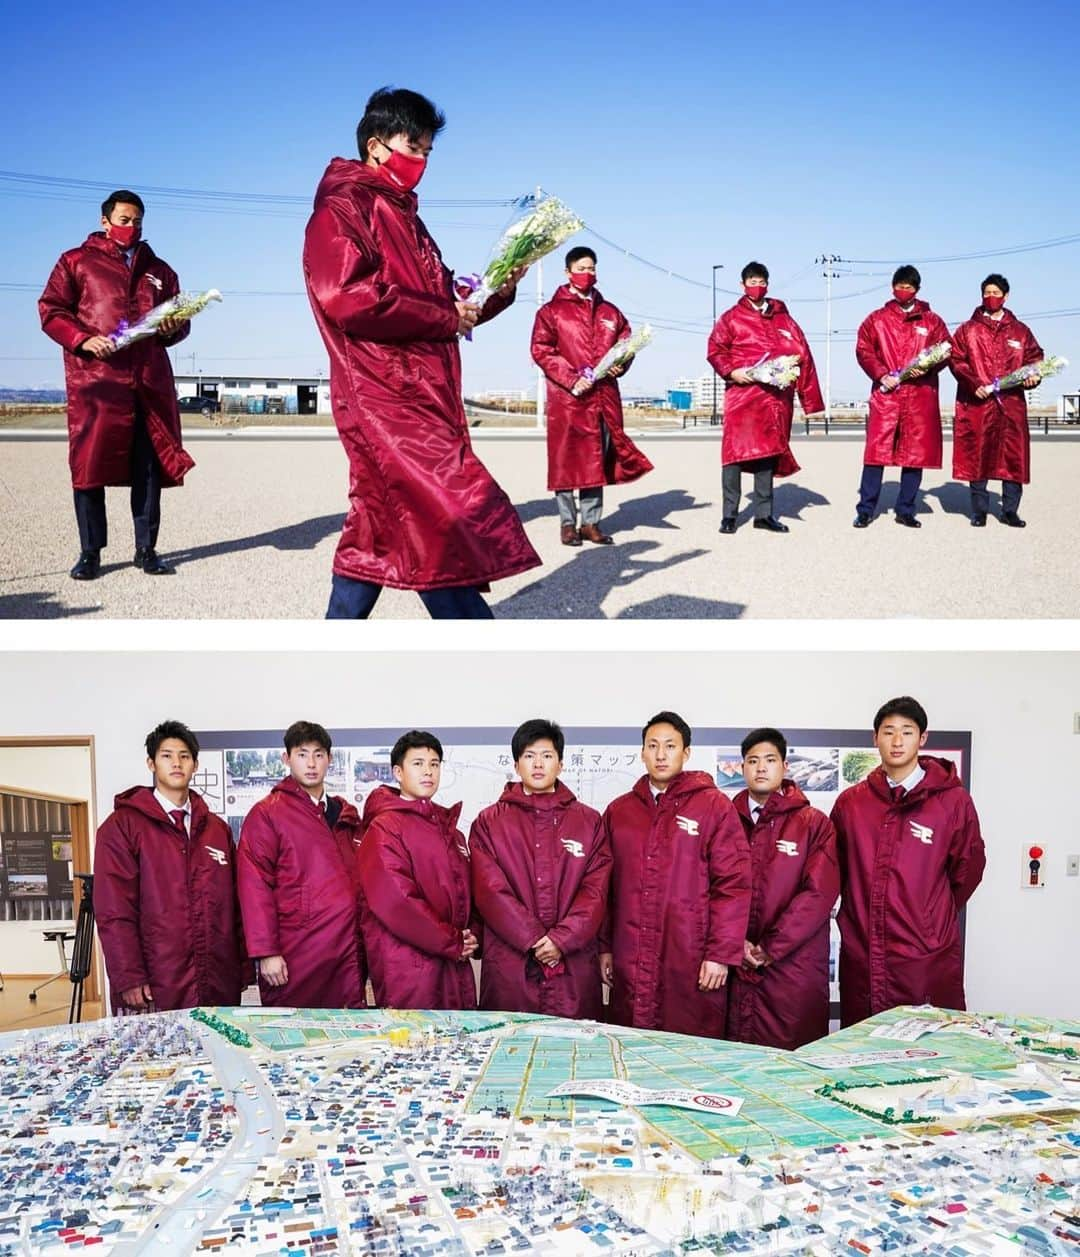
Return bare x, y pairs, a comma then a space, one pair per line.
90, 292
424, 513
540, 865
757, 418
415, 903
904, 427
796, 883
166, 906
299, 892
991, 439
680, 894
572, 332
906, 870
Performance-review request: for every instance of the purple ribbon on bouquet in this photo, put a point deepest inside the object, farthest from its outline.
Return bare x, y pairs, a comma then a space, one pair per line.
587, 373
996, 386
464, 287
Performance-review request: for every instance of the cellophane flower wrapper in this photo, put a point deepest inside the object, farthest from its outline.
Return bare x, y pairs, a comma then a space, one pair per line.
781, 372
534, 235
1045, 368
925, 360
184, 305
622, 351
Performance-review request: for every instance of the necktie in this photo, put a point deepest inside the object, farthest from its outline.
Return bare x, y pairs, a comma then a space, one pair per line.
755, 813
177, 815
897, 793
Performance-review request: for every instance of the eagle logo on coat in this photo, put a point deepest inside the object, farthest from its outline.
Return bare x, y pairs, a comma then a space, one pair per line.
215, 853
687, 825
923, 832
787, 847
575, 848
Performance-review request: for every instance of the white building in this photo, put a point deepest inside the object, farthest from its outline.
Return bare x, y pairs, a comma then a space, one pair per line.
700, 389
259, 394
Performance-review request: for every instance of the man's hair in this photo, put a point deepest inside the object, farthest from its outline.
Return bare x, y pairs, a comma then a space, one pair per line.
906, 706
122, 196
171, 729
668, 718
414, 740
754, 268
773, 736
301, 731
394, 111
999, 280
907, 275
534, 731
578, 252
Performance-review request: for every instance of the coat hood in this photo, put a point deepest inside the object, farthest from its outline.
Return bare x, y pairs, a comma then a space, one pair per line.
897, 310
789, 798
387, 799
684, 785
290, 789
514, 794
564, 293
773, 307
978, 315
941, 775
141, 799
344, 175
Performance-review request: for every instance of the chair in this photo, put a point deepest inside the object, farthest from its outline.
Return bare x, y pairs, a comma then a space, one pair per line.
61, 938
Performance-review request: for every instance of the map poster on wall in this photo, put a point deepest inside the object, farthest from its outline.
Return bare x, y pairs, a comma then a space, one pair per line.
237, 768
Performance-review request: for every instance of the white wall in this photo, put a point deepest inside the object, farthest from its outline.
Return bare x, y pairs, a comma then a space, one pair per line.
1022, 945
62, 770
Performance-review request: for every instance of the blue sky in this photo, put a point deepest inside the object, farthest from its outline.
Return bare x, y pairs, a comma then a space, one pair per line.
686, 135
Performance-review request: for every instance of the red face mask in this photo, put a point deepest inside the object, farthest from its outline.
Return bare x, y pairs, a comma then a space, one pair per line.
583, 280
756, 292
125, 237
993, 304
903, 296
403, 171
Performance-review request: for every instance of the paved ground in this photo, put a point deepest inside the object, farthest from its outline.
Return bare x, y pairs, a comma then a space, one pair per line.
254, 532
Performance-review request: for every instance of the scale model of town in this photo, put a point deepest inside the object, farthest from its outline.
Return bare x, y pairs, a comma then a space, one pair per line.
375, 1131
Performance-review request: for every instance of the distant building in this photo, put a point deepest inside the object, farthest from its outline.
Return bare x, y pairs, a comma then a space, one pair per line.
259, 394
501, 396
701, 390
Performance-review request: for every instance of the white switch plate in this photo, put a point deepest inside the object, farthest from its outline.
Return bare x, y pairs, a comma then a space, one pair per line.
1072, 866
1076, 722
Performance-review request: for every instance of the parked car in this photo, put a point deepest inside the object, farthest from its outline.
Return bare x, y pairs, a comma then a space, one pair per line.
205, 406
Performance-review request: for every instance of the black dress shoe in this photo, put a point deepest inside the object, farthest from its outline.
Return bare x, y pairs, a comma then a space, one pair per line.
909, 521
1013, 520
728, 525
978, 520
862, 520
88, 566
149, 562
771, 525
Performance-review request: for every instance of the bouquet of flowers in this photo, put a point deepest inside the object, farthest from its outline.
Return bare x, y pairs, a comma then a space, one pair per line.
183, 306
931, 356
529, 238
781, 372
620, 352
1043, 369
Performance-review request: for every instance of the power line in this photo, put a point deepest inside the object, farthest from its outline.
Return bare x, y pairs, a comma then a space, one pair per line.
1055, 242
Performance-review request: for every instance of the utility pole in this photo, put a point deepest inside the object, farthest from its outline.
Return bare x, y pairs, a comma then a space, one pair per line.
541, 416
715, 416
828, 260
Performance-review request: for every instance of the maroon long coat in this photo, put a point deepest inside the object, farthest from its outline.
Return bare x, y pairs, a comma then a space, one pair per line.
299, 893
991, 439
757, 418
166, 907
680, 894
91, 289
904, 427
540, 865
906, 870
796, 882
424, 513
572, 332
415, 903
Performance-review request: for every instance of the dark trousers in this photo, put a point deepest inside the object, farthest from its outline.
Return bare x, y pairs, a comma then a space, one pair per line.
356, 599
1011, 493
145, 498
870, 489
763, 470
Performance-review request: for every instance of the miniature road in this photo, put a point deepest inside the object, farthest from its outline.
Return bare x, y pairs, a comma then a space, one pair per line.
188, 1218
253, 536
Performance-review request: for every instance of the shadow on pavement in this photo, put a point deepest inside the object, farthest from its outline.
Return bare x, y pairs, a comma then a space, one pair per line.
303, 536
789, 501
577, 589
648, 512
38, 606
682, 607
955, 499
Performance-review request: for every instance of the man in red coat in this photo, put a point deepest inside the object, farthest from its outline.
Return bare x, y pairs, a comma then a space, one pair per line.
680, 892
540, 869
757, 417
990, 434
415, 902
165, 889
299, 883
911, 856
123, 420
904, 427
424, 513
780, 995
586, 443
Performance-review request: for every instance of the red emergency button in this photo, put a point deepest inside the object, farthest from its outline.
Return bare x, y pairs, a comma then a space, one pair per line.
1035, 852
